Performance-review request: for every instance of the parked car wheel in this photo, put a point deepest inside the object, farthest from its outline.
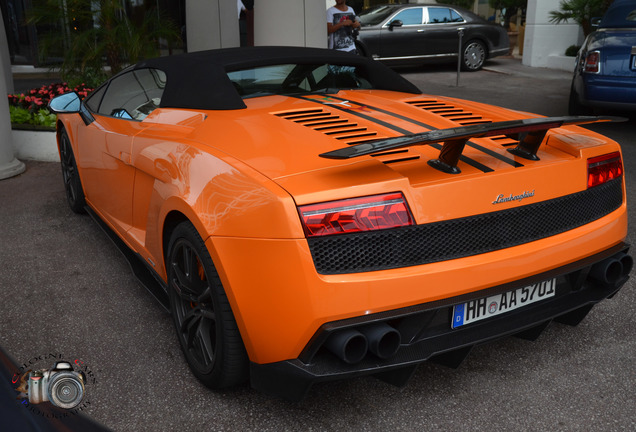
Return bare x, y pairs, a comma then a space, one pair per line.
205, 325
574, 106
474, 55
72, 182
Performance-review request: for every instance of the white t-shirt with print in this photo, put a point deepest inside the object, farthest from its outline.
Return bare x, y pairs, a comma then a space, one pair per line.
341, 39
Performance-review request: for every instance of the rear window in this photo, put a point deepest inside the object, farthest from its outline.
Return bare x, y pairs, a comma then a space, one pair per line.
297, 79
619, 16
438, 15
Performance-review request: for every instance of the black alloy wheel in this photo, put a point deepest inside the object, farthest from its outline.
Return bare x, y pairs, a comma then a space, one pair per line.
202, 315
72, 182
474, 55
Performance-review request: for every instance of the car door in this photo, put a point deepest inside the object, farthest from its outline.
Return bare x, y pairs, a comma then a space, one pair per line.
440, 31
105, 153
402, 40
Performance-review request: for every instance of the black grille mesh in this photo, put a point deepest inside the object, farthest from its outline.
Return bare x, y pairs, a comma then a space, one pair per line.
440, 241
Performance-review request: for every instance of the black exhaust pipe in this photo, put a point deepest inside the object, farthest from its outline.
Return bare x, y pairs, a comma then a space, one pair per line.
349, 345
627, 262
384, 340
608, 271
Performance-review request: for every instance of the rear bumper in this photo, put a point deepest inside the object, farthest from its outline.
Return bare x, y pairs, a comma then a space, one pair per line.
426, 333
608, 92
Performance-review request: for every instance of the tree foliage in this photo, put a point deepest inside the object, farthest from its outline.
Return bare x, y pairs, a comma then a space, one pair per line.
580, 11
87, 34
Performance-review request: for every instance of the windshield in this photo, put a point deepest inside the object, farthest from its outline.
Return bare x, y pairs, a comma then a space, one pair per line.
288, 79
375, 16
621, 15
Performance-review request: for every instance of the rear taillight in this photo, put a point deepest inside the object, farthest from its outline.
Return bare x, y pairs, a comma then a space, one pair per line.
602, 169
356, 214
592, 62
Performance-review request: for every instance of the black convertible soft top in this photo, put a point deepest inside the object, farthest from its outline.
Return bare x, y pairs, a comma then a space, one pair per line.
199, 80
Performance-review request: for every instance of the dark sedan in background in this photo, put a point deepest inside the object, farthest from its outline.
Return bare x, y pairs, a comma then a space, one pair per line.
605, 72
422, 33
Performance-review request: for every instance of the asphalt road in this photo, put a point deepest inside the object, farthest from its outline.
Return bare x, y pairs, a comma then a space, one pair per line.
67, 292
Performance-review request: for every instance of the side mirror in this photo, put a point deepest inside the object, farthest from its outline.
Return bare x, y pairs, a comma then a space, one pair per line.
395, 23
594, 22
68, 103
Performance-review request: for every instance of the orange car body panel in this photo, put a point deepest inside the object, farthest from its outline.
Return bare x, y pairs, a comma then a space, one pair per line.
239, 175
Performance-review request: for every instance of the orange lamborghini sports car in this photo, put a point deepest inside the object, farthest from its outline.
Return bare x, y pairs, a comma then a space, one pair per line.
308, 215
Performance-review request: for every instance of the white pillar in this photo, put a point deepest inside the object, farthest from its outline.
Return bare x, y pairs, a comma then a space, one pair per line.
543, 38
290, 22
211, 24
9, 165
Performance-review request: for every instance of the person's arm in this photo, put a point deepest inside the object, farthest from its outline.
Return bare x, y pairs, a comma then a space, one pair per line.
344, 23
335, 27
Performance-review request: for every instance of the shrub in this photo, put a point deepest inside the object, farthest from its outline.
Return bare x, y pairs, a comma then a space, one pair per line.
45, 118
30, 108
572, 50
19, 115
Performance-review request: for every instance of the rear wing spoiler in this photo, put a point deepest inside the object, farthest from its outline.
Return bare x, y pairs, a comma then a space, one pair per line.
529, 133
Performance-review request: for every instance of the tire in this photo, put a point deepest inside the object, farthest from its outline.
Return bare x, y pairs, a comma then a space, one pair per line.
574, 106
206, 328
70, 174
473, 55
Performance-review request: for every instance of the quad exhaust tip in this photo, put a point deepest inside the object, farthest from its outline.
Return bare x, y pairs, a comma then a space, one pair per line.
352, 345
613, 269
384, 340
349, 345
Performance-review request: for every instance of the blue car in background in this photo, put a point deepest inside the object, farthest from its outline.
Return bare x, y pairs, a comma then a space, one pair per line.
605, 72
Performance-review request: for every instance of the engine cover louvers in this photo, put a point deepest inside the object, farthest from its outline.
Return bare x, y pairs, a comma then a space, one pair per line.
332, 125
443, 109
344, 130
458, 115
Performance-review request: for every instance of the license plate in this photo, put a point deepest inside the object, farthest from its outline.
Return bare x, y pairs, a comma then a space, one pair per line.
488, 307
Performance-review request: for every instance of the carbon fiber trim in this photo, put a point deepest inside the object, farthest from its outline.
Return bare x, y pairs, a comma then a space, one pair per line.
457, 238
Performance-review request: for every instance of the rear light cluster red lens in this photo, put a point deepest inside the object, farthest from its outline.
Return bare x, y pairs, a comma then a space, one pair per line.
602, 169
355, 215
592, 62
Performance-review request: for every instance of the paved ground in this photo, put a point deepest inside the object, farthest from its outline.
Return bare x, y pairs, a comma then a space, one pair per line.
67, 291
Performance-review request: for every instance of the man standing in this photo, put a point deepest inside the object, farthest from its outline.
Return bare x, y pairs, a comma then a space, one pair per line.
341, 22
